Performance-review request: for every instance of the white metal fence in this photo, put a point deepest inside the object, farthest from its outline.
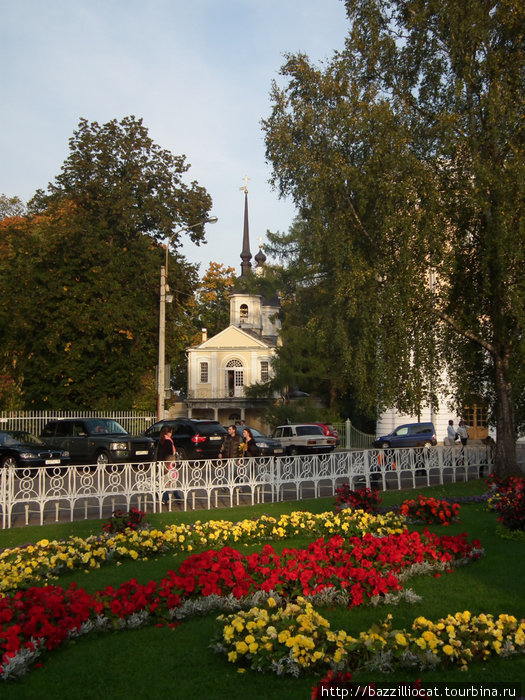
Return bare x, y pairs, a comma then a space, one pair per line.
133, 422
45, 495
352, 438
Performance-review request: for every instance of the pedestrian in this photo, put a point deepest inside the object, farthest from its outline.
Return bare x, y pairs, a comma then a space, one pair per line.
451, 433
463, 429
251, 449
231, 446
165, 451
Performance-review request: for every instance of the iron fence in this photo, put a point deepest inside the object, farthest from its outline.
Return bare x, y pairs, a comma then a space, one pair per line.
351, 438
38, 495
133, 422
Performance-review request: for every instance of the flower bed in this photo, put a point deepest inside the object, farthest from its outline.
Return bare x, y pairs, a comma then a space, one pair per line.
508, 501
365, 499
430, 510
21, 567
356, 569
296, 638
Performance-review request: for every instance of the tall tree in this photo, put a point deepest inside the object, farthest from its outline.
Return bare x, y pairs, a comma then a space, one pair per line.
404, 154
11, 206
212, 308
79, 280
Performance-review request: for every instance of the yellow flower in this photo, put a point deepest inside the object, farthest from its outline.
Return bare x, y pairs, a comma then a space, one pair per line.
448, 650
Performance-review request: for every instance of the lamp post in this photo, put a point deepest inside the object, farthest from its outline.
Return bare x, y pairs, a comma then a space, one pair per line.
164, 288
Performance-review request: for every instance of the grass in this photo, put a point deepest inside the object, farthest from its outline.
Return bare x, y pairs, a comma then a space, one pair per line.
152, 662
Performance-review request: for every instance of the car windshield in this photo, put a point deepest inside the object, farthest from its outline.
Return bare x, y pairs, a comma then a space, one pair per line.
18, 437
104, 426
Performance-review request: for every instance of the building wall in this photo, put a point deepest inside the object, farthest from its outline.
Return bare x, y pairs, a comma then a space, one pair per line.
222, 359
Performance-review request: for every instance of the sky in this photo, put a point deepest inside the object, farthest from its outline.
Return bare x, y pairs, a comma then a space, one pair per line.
198, 72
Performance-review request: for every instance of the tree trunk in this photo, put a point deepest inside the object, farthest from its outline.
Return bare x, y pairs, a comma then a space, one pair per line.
505, 461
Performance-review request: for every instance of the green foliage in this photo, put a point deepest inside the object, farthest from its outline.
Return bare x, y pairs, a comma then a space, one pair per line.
79, 277
126, 184
305, 410
212, 300
11, 206
406, 161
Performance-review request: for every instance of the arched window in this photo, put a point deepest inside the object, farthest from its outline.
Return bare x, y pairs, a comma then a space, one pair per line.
243, 315
265, 370
234, 378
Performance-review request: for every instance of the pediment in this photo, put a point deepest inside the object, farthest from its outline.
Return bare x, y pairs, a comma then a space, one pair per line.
234, 337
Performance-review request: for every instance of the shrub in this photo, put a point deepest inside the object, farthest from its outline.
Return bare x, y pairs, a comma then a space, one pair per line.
430, 510
508, 501
365, 499
122, 520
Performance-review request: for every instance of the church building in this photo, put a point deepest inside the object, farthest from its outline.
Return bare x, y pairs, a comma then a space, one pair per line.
220, 368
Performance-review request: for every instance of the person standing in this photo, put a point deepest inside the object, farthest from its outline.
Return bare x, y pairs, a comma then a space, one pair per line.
463, 429
165, 451
451, 433
251, 446
231, 446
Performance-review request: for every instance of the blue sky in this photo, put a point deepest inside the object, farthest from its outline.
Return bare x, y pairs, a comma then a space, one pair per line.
198, 72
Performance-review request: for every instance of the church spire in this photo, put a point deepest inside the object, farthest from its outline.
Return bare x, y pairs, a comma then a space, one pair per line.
245, 255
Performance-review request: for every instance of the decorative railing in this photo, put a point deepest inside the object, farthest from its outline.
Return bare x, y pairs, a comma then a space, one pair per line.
33, 421
351, 438
44, 494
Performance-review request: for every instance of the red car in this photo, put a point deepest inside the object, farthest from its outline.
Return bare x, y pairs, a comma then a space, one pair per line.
329, 430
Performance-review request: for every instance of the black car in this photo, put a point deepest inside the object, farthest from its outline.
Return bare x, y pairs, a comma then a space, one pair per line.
193, 438
266, 444
19, 448
97, 441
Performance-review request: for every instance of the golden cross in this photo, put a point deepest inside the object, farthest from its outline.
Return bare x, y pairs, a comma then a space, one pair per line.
245, 186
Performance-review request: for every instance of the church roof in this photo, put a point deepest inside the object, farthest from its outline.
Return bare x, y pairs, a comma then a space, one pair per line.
235, 337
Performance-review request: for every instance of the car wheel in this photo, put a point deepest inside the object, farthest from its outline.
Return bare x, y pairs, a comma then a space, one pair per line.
427, 444
9, 462
293, 451
385, 445
102, 459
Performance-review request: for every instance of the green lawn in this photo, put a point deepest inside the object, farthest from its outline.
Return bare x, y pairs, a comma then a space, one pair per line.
155, 662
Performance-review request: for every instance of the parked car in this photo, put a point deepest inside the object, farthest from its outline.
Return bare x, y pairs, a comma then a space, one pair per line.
304, 438
19, 448
328, 429
267, 445
97, 441
193, 438
409, 435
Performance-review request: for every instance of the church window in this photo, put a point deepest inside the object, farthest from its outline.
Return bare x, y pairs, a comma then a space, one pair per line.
265, 371
244, 313
204, 373
234, 378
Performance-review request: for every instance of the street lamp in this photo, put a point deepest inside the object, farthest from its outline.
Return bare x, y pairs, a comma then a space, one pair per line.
164, 288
